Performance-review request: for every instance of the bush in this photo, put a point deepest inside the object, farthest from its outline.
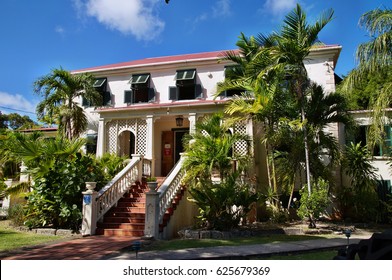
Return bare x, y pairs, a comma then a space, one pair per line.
223, 205
16, 215
56, 199
314, 205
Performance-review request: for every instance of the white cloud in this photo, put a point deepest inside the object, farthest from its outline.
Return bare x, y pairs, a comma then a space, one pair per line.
16, 102
222, 8
279, 7
130, 17
60, 30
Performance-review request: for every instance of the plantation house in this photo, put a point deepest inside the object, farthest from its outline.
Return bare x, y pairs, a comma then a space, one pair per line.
148, 105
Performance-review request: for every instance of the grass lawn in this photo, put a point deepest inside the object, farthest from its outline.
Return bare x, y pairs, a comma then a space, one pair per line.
176, 244
11, 239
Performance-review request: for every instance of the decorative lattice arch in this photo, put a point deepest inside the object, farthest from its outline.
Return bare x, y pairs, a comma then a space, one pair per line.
137, 126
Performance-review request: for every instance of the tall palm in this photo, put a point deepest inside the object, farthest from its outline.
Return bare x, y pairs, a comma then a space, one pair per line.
373, 57
321, 110
258, 92
60, 90
293, 45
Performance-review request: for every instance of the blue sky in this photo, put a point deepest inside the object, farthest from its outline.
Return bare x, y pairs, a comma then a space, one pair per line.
38, 36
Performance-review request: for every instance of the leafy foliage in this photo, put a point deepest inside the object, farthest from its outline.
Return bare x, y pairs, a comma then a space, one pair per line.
56, 198
314, 204
111, 164
223, 199
60, 90
359, 200
15, 121
223, 205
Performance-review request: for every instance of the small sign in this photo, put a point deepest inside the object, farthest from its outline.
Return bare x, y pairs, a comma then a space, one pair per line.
167, 150
87, 199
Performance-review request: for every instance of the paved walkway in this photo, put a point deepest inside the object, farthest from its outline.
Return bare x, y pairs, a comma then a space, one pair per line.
117, 248
84, 248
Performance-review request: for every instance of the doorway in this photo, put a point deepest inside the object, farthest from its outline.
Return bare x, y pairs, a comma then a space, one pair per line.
172, 146
127, 144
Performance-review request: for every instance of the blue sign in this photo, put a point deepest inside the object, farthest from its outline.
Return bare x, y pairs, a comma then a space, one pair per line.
87, 199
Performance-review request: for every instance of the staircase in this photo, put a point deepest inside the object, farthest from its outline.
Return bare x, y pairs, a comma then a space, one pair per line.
127, 218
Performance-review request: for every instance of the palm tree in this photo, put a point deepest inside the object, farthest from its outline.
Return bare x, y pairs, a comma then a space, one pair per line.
257, 92
292, 46
60, 90
373, 57
321, 110
210, 149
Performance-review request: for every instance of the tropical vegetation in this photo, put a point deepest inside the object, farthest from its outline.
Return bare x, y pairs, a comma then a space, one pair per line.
214, 170
293, 113
61, 92
375, 59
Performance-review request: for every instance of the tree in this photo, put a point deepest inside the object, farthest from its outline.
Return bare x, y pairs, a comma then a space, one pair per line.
222, 196
292, 46
60, 90
15, 121
374, 57
271, 68
210, 149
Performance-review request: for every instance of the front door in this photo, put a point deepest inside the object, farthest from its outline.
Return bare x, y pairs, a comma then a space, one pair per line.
172, 146
167, 152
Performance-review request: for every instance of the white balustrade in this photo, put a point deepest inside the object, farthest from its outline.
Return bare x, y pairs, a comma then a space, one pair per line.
169, 188
118, 186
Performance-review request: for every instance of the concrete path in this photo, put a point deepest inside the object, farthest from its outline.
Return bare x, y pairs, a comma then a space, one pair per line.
236, 252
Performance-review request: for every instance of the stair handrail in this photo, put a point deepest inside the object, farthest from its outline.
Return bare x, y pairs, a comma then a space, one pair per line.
109, 195
169, 188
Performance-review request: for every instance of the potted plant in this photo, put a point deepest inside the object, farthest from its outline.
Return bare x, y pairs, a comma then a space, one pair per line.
152, 183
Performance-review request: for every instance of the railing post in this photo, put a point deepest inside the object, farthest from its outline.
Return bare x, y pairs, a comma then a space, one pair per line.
151, 229
7, 199
139, 166
89, 222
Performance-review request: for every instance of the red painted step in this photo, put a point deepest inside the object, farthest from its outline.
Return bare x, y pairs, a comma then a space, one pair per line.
127, 217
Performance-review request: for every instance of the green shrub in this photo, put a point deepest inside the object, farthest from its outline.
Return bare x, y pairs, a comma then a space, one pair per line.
56, 199
223, 205
16, 214
315, 204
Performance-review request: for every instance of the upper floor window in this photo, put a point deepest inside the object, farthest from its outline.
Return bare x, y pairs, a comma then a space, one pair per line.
231, 71
140, 91
100, 85
186, 87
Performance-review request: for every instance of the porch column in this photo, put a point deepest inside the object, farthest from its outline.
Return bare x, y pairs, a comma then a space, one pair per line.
150, 136
150, 142
192, 122
249, 132
101, 137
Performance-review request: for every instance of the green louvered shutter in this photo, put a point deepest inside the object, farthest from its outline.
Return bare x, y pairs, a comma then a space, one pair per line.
128, 96
198, 91
151, 95
173, 93
107, 98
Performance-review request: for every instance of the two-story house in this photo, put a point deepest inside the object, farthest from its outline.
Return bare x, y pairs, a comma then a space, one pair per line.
149, 104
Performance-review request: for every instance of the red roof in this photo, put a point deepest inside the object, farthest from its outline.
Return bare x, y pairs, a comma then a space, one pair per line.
156, 60
172, 59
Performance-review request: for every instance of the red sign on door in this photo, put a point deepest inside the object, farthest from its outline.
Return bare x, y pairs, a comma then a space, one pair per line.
167, 150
